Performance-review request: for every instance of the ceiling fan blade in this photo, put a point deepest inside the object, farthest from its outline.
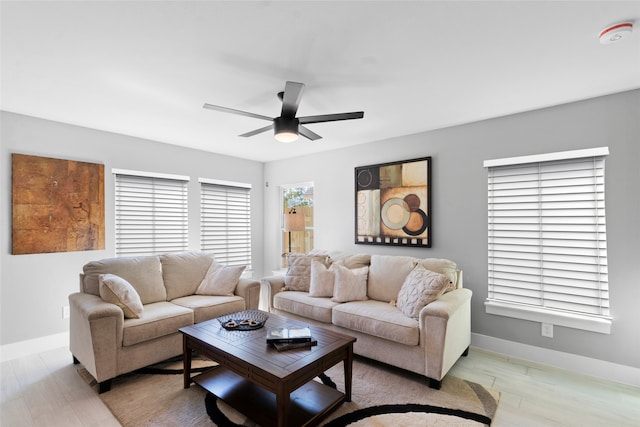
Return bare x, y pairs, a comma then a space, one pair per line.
257, 131
234, 111
291, 98
308, 133
331, 117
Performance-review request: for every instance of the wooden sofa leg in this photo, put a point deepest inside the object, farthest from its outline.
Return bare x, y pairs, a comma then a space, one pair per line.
75, 361
435, 384
466, 352
104, 386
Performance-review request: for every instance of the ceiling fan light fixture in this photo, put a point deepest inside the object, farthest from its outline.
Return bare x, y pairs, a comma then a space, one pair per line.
286, 137
286, 129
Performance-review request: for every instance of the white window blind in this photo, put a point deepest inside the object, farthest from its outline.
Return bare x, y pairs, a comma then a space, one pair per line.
547, 241
225, 221
151, 214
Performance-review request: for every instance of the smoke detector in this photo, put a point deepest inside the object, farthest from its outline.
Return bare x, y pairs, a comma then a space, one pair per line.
615, 32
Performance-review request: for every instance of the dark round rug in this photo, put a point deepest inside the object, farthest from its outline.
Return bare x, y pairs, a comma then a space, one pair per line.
220, 419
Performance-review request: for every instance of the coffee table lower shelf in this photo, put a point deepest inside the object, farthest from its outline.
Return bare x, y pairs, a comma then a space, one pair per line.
308, 405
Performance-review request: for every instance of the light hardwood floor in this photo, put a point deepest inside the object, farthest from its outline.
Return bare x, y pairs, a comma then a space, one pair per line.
45, 390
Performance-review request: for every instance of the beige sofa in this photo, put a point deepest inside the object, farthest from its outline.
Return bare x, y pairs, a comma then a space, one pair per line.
428, 344
109, 340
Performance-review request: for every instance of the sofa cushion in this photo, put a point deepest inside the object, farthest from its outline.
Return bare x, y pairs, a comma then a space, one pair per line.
353, 261
220, 279
379, 319
387, 274
350, 284
301, 304
183, 272
420, 288
298, 277
144, 273
159, 319
322, 280
207, 307
118, 291
442, 266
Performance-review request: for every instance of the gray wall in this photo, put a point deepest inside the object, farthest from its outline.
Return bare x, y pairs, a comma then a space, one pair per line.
460, 206
33, 288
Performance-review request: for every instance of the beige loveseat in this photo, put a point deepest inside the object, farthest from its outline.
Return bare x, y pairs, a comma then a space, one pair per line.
110, 338
389, 322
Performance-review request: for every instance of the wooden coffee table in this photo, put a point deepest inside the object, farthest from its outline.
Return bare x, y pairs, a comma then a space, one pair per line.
272, 388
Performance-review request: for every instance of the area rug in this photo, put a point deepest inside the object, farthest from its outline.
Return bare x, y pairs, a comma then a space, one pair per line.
381, 396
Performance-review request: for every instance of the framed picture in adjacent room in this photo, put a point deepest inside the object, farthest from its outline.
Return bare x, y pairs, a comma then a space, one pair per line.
393, 203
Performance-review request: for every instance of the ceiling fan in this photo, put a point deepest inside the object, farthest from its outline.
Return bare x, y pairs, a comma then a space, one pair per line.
287, 126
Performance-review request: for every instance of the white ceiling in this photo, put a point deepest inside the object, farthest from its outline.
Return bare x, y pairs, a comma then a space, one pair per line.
145, 68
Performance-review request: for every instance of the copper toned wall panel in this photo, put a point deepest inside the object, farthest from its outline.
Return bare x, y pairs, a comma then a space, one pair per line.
58, 205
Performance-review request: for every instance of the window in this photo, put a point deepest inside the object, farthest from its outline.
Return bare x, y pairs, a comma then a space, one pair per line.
225, 221
151, 213
547, 239
300, 198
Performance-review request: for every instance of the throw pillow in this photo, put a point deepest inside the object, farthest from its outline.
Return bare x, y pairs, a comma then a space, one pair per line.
442, 266
350, 284
322, 280
116, 290
220, 279
298, 277
355, 261
420, 288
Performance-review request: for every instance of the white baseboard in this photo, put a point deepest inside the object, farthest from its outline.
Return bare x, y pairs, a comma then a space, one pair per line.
34, 346
570, 362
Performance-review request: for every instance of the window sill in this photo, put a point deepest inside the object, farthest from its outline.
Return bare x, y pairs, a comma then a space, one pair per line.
570, 320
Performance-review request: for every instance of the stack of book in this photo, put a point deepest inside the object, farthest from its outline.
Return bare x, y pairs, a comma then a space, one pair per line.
288, 338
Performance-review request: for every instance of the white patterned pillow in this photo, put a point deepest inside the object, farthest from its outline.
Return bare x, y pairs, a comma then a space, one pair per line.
442, 266
118, 291
420, 288
350, 284
298, 277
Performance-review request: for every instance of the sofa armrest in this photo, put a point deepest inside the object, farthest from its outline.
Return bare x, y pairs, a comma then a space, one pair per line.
95, 333
447, 305
271, 285
249, 289
92, 307
445, 327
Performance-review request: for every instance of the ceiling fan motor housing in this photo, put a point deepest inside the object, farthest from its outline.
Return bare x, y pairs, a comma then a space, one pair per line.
286, 125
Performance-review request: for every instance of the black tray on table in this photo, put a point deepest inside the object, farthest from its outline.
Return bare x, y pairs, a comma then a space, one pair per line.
247, 320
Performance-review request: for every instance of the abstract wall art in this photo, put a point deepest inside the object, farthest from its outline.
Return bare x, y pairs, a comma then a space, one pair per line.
58, 205
393, 203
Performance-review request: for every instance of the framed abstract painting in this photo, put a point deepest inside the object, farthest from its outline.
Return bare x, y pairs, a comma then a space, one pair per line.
393, 203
